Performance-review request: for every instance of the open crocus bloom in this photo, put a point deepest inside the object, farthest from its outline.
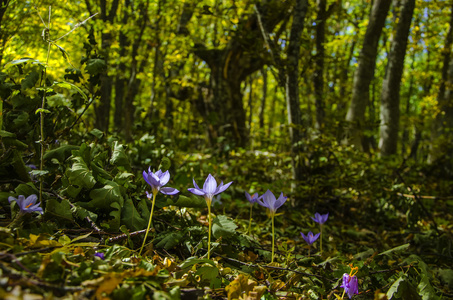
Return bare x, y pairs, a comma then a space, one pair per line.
268, 200
158, 180
350, 285
251, 198
321, 219
210, 188
310, 238
27, 205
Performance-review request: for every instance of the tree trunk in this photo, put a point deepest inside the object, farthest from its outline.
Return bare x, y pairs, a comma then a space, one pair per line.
292, 84
365, 73
102, 110
230, 66
318, 80
443, 122
263, 99
390, 98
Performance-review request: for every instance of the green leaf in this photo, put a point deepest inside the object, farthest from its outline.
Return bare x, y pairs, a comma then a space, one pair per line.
183, 201
396, 249
61, 153
222, 226
401, 288
30, 80
165, 164
425, 289
26, 189
80, 175
59, 209
169, 239
38, 173
97, 133
130, 216
95, 66
42, 110
119, 157
188, 263
104, 197
446, 276
209, 274
69, 86
23, 60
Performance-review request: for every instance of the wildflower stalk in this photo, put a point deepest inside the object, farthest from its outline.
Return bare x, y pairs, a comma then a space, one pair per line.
149, 222
210, 228
249, 230
320, 240
273, 238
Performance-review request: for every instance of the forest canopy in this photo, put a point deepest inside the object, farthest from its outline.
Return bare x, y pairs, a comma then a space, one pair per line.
330, 123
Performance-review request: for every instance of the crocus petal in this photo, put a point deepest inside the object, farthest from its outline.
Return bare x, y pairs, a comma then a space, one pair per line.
222, 188
164, 178
269, 199
169, 191
145, 176
195, 184
154, 181
280, 201
158, 173
196, 191
210, 185
11, 199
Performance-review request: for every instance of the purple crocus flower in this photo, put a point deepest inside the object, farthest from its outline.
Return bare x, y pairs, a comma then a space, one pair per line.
321, 219
268, 200
101, 255
27, 205
310, 238
350, 285
210, 189
251, 198
158, 180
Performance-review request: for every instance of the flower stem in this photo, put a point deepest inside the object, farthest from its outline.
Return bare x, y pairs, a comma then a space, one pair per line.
320, 238
250, 220
209, 232
149, 222
273, 238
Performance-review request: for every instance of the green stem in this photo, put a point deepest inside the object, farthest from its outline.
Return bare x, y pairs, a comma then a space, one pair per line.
250, 220
273, 238
149, 222
210, 226
320, 237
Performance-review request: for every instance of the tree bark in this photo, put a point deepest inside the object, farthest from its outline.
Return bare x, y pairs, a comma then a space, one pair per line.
365, 73
443, 122
102, 110
292, 84
230, 66
390, 98
318, 80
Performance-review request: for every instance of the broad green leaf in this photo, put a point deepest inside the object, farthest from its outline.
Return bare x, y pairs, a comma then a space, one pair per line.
165, 164
183, 201
396, 249
114, 223
130, 216
446, 276
61, 153
402, 289
222, 226
80, 175
69, 86
59, 209
30, 80
119, 157
26, 189
208, 273
23, 60
95, 66
169, 240
425, 289
104, 197
194, 260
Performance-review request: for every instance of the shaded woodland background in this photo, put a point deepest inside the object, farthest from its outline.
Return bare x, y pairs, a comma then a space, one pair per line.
344, 106
372, 74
